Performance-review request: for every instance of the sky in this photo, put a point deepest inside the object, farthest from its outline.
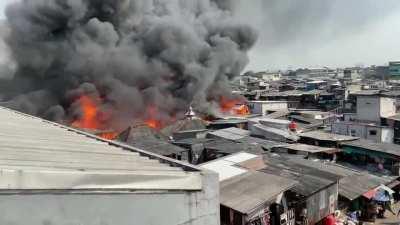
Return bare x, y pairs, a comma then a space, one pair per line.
315, 33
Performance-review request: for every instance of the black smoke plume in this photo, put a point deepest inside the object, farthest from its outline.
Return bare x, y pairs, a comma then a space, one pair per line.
128, 55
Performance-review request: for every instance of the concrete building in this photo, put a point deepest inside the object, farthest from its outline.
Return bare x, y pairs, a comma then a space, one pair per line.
264, 107
394, 70
269, 76
372, 107
52, 174
352, 74
367, 131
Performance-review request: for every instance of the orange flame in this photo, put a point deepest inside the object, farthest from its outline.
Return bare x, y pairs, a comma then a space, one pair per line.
242, 110
88, 119
152, 121
108, 135
233, 106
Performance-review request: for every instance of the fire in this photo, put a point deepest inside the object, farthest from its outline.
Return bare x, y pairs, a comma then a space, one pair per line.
233, 106
108, 135
152, 120
242, 110
89, 118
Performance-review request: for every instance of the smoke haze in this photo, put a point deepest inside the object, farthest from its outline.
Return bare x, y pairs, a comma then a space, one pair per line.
311, 33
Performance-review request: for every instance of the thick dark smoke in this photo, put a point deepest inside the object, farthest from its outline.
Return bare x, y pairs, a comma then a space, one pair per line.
129, 55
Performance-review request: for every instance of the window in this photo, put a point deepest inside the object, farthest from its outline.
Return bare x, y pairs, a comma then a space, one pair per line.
353, 133
372, 132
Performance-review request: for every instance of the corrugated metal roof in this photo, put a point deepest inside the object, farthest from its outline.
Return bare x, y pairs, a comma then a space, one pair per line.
246, 192
309, 148
231, 133
274, 133
324, 136
352, 183
36, 154
225, 166
387, 148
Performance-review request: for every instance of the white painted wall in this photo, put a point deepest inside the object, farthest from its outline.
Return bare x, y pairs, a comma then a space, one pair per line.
387, 107
368, 108
183, 208
383, 134
387, 135
261, 107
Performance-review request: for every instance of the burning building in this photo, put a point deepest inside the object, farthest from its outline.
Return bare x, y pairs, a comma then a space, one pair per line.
103, 65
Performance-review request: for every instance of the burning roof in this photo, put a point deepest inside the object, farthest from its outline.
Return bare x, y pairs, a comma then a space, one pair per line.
149, 139
108, 64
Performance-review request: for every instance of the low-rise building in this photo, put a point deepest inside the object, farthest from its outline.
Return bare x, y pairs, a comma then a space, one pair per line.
265, 107
249, 197
380, 157
373, 105
367, 131
58, 175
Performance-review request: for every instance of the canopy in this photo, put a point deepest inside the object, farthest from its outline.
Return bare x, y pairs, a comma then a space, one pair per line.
381, 196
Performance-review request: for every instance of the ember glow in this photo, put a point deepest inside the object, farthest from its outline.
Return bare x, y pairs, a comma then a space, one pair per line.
233, 106
108, 135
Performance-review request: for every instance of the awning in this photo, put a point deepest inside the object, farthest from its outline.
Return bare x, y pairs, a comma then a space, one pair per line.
385, 188
379, 193
371, 193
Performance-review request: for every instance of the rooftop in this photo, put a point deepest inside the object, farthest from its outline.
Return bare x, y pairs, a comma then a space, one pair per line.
246, 192
40, 155
242, 189
324, 136
309, 148
391, 149
231, 133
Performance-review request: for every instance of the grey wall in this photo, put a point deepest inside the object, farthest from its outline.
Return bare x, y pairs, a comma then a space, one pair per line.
183, 208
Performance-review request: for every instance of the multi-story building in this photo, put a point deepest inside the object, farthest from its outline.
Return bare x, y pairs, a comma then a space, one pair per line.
394, 70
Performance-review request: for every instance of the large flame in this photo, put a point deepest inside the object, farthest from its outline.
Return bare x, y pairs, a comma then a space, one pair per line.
89, 117
233, 107
152, 120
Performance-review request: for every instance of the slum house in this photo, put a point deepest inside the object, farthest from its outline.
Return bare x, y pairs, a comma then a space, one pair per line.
394, 122
146, 138
78, 178
308, 151
188, 134
314, 197
249, 197
378, 157
274, 134
324, 139
223, 142
266, 107
231, 133
227, 123
190, 123
197, 152
353, 182
329, 100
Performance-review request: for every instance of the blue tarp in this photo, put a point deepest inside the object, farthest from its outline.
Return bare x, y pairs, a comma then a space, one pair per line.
381, 196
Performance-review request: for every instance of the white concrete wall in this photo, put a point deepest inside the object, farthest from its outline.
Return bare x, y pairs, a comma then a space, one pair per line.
383, 134
261, 107
387, 135
183, 208
375, 138
387, 107
368, 108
